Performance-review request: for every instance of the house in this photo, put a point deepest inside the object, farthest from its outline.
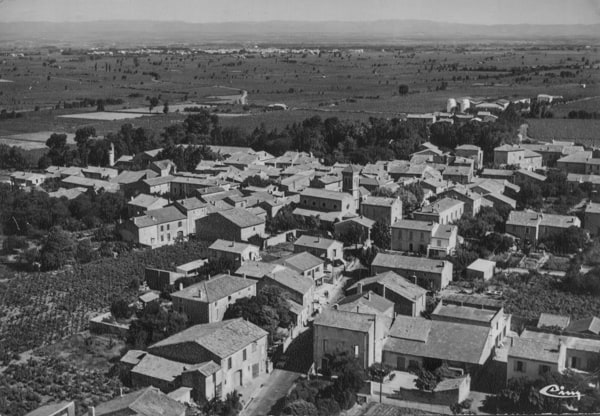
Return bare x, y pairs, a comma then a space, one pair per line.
500, 201
500, 174
574, 162
414, 342
471, 152
443, 211
428, 273
589, 325
239, 253
591, 218
509, 155
213, 359
299, 288
536, 352
551, 152
163, 167
481, 269
436, 240
306, 264
97, 172
533, 226
294, 183
191, 268
146, 402
207, 301
158, 185
473, 200
93, 184
158, 279
474, 311
55, 409
24, 180
144, 203
408, 298
326, 201
362, 224
458, 174
325, 248
385, 210
157, 228
338, 331
193, 209
527, 175
235, 224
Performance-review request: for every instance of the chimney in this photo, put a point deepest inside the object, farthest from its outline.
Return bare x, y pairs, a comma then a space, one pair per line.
359, 287
383, 291
228, 271
120, 391
369, 295
232, 243
357, 309
180, 286
92, 411
244, 275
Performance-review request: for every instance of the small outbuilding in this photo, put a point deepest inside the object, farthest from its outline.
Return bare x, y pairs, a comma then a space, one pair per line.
481, 269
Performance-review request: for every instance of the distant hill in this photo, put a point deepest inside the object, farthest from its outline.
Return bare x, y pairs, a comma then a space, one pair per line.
280, 32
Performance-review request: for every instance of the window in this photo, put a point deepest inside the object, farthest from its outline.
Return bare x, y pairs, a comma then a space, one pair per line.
168, 226
439, 243
356, 350
314, 203
179, 224
168, 236
574, 362
229, 363
244, 356
334, 206
325, 346
162, 227
520, 366
543, 369
162, 238
526, 230
410, 235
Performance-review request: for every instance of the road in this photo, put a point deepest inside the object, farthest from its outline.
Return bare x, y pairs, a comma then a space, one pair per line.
275, 388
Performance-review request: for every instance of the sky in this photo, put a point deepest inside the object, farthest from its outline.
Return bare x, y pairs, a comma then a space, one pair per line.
201, 11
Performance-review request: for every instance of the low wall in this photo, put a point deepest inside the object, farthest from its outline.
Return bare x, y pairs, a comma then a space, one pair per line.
279, 238
99, 326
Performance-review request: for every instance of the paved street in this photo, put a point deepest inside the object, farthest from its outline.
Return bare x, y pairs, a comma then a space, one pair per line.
275, 388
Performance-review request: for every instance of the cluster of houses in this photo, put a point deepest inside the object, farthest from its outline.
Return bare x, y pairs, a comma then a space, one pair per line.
379, 318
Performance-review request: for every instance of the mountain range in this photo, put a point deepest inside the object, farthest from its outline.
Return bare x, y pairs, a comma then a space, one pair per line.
383, 32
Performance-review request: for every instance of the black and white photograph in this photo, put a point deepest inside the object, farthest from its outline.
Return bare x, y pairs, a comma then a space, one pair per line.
299, 208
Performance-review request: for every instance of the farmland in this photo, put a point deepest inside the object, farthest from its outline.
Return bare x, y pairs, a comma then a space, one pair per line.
580, 131
344, 84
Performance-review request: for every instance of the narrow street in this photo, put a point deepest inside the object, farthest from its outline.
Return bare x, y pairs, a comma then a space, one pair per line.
275, 388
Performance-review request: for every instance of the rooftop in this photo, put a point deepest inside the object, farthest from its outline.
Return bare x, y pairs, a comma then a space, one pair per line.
481, 265
591, 325
291, 280
231, 246
395, 283
467, 313
440, 206
222, 338
301, 262
159, 368
324, 194
549, 320
352, 321
414, 225
535, 349
159, 216
379, 201
149, 401
315, 242
257, 269
215, 288
241, 217
443, 340
396, 261
368, 302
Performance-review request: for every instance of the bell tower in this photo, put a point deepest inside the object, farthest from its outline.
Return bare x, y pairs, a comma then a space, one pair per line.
350, 183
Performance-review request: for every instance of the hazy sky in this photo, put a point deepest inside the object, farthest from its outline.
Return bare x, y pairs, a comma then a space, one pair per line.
462, 11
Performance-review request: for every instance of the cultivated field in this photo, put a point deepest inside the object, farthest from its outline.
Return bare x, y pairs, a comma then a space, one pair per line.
343, 84
581, 131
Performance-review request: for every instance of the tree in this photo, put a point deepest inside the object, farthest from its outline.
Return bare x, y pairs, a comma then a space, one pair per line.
153, 103
381, 235
426, 380
58, 249
154, 324
403, 89
353, 234
378, 372
120, 309
84, 252
568, 241
300, 408
166, 107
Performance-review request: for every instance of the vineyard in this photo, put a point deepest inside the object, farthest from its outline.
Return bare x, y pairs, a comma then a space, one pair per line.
40, 308
529, 297
578, 131
26, 386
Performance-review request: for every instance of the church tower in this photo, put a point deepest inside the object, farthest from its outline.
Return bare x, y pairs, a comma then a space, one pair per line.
111, 155
350, 183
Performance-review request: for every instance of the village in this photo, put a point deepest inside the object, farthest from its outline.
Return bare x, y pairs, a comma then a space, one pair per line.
362, 273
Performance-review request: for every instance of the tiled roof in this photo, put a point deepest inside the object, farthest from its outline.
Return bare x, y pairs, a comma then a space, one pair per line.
481, 265
448, 341
159, 368
535, 349
222, 338
548, 319
464, 312
315, 242
159, 216
439, 206
241, 217
145, 201
146, 402
351, 321
396, 261
257, 269
368, 302
324, 194
216, 288
591, 325
395, 283
230, 246
292, 280
301, 261
379, 201
414, 225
